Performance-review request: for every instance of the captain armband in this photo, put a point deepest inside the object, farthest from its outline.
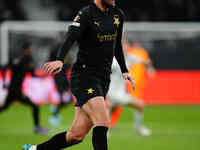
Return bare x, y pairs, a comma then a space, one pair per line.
76, 24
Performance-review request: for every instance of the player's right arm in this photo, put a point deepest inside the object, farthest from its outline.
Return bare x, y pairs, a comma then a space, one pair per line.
74, 33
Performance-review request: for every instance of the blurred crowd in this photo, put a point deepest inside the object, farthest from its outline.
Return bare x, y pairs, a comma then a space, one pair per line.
11, 10
157, 10
135, 10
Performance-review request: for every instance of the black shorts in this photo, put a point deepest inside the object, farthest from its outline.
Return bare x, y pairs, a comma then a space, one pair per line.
61, 81
85, 87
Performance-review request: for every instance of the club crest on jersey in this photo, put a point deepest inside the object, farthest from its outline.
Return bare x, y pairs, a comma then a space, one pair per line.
116, 20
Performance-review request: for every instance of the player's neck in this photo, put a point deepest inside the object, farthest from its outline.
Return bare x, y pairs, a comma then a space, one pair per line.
100, 6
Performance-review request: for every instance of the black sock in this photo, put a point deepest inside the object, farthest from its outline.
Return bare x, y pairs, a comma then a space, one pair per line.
99, 138
55, 143
36, 116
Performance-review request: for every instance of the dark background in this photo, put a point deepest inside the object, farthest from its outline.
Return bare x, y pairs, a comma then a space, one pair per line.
135, 10
183, 54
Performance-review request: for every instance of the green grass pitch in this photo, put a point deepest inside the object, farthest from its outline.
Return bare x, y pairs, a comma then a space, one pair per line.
173, 128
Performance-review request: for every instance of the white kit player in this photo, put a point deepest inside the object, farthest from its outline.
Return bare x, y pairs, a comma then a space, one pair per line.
117, 95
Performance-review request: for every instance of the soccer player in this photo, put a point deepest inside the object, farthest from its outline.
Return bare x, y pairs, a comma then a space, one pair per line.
20, 67
98, 30
142, 64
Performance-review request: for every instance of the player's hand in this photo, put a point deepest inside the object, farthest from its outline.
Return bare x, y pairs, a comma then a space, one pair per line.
151, 72
127, 76
52, 67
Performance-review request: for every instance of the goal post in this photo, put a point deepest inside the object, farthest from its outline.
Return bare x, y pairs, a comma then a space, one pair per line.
146, 33
48, 29
173, 47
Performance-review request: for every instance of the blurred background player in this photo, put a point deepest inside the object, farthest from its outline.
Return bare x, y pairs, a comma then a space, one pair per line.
138, 61
3, 90
139, 70
20, 67
62, 84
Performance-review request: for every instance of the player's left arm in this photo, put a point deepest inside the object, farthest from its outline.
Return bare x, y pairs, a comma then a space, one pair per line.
75, 31
119, 55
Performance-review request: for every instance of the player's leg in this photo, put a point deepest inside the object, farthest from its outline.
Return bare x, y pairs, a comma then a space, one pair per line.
35, 113
138, 116
96, 110
8, 101
116, 99
90, 96
81, 121
137, 103
80, 127
139, 106
115, 114
66, 98
127, 100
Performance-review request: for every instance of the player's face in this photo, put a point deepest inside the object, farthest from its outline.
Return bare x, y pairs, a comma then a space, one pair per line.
109, 2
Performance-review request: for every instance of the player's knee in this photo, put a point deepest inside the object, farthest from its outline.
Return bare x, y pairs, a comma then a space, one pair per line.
141, 106
101, 120
105, 123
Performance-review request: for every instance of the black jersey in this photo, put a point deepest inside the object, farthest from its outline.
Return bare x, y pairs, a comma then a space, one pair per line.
19, 69
99, 39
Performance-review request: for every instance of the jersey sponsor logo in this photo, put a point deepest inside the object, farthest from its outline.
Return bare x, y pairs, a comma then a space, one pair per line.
90, 91
116, 20
106, 37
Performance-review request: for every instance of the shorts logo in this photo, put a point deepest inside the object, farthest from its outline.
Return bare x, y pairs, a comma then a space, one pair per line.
90, 91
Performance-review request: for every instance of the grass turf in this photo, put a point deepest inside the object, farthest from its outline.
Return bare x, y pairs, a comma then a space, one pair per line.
173, 128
